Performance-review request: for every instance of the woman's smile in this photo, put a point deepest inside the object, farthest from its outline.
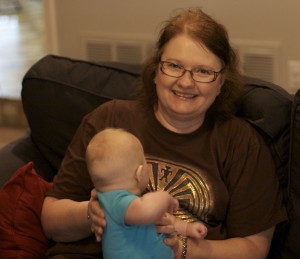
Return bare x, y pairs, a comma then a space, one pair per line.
183, 95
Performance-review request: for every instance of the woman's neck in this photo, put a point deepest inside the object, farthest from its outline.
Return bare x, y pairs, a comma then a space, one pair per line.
178, 125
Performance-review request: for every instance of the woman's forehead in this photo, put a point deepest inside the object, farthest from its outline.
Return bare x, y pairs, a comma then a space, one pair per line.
187, 50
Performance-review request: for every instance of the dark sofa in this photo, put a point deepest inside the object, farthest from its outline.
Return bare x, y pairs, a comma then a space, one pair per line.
57, 92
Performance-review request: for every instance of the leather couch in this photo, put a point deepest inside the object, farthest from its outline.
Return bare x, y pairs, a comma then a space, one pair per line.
58, 91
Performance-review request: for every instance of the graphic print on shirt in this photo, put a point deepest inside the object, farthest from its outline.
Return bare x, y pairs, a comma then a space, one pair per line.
185, 184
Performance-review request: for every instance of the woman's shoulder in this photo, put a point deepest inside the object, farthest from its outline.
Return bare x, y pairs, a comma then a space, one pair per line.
238, 134
115, 113
234, 122
118, 104
236, 127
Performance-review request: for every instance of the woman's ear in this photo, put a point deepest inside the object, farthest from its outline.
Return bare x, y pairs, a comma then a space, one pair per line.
221, 85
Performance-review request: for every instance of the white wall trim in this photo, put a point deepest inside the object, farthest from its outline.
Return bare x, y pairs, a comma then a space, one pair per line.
52, 41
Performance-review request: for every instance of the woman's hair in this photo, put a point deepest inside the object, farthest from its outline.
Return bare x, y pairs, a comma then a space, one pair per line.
202, 28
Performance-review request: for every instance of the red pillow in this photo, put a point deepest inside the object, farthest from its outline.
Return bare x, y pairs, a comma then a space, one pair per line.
21, 200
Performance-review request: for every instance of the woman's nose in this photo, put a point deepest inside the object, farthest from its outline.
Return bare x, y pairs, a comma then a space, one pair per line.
186, 80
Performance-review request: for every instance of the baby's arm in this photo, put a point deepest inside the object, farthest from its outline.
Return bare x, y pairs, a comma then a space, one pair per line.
195, 229
150, 208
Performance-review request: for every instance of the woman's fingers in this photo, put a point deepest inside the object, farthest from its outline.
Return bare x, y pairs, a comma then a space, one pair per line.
169, 229
96, 216
173, 241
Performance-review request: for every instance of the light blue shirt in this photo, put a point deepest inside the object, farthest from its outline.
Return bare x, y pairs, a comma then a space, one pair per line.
128, 241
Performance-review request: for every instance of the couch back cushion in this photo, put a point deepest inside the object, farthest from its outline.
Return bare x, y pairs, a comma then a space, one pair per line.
267, 107
57, 92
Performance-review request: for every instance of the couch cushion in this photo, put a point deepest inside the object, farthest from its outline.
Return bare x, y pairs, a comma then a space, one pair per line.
260, 105
21, 200
57, 92
18, 153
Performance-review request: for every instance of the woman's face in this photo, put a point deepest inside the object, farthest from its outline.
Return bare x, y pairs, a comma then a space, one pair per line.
183, 102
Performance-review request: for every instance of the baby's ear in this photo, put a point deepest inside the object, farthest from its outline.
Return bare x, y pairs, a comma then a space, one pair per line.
138, 173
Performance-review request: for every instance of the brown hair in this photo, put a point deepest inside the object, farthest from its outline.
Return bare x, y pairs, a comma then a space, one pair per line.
201, 27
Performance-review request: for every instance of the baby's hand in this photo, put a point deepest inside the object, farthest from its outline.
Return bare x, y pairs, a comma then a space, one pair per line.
196, 230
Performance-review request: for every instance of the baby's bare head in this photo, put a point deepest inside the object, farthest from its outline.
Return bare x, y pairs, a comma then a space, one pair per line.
113, 156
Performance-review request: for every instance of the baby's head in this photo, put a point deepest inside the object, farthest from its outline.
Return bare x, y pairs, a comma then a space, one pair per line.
115, 160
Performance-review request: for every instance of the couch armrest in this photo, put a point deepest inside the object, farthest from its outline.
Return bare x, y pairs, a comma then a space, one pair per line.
18, 153
291, 248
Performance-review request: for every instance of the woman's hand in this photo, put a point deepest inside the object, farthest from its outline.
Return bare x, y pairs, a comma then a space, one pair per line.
165, 226
96, 216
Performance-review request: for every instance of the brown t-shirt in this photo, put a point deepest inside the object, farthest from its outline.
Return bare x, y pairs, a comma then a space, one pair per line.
222, 174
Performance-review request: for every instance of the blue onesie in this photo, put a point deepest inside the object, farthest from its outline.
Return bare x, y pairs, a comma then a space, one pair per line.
128, 241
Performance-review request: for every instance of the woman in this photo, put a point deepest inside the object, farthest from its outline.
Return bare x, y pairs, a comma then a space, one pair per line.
215, 164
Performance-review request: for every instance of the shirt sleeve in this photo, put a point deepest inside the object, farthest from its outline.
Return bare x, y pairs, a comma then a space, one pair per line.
116, 204
255, 197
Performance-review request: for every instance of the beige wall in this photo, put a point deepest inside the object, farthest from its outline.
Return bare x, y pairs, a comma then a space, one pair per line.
255, 20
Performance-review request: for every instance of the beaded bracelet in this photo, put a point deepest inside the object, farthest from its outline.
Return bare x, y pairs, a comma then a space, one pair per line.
184, 247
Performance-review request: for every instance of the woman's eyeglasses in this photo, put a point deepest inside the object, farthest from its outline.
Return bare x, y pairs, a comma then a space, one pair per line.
199, 74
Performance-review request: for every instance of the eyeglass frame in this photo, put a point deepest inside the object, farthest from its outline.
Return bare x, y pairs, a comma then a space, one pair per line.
216, 74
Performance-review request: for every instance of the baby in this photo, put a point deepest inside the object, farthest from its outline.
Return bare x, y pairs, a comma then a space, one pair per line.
117, 166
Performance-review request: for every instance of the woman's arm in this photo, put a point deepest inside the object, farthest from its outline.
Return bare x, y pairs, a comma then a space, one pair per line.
254, 246
65, 220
